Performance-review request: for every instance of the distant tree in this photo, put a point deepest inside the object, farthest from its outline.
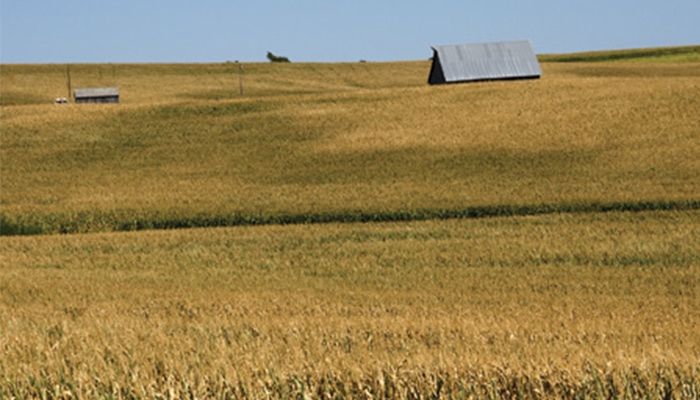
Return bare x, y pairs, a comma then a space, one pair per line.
276, 59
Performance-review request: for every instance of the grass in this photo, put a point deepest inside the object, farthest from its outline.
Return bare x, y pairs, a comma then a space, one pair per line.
538, 239
546, 306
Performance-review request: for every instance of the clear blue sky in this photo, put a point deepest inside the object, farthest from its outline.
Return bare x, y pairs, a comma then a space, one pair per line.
37, 31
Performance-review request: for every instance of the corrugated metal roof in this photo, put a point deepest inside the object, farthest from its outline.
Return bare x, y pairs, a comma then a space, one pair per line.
479, 61
96, 92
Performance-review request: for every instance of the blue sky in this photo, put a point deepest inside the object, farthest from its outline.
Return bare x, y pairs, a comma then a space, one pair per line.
35, 31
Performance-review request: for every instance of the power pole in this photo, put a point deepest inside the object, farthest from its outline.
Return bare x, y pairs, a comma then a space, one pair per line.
240, 78
68, 81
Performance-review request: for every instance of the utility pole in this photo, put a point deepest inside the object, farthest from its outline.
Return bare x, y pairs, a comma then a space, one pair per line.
240, 78
68, 81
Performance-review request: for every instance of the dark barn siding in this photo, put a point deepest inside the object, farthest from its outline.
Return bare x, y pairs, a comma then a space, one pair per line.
109, 99
436, 74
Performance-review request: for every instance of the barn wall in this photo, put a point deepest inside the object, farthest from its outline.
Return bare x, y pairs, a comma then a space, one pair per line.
437, 76
112, 99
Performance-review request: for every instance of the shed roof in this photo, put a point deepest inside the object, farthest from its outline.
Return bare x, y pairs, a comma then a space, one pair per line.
96, 92
480, 61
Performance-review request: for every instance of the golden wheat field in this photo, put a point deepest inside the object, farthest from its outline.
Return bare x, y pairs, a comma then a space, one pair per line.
352, 232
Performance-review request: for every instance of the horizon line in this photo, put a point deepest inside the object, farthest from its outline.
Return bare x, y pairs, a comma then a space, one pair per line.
360, 60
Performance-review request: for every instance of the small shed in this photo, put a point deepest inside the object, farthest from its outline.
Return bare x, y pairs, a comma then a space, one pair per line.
97, 95
484, 62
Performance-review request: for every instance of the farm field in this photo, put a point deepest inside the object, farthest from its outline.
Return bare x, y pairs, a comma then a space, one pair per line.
653, 55
532, 239
548, 306
339, 140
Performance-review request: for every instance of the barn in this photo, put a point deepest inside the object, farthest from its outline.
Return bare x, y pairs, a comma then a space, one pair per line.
96, 95
484, 62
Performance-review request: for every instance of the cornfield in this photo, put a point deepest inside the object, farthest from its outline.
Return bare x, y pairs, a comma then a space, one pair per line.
345, 231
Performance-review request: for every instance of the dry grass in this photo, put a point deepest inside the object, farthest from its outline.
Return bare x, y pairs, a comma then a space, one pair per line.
343, 139
550, 306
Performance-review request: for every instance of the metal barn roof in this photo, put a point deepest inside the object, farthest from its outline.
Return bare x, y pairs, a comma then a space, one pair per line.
484, 61
96, 92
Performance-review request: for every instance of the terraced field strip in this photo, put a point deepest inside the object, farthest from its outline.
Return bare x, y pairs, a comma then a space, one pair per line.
8, 228
659, 54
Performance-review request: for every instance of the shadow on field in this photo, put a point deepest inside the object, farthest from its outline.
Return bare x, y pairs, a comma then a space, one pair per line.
422, 164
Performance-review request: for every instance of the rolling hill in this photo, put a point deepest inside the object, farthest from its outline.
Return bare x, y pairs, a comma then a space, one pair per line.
315, 142
376, 274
